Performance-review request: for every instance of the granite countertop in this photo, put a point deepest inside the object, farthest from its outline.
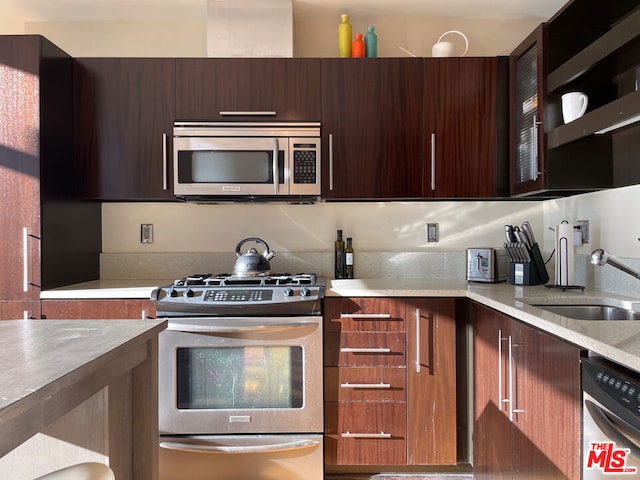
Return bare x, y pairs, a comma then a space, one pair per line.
106, 289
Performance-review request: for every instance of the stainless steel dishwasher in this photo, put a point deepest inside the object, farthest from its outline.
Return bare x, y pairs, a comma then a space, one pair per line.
611, 420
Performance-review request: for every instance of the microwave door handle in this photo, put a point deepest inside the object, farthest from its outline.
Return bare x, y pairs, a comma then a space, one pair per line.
246, 449
276, 170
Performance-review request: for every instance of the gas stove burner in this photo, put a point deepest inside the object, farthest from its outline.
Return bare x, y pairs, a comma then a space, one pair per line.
225, 279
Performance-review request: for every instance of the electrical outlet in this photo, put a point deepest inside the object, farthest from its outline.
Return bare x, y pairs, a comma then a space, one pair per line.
432, 232
583, 226
146, 233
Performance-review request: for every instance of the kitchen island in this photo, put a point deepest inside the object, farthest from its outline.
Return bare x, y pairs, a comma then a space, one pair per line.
52, 367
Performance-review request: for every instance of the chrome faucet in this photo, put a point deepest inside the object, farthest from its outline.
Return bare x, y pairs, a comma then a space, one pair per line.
602, 257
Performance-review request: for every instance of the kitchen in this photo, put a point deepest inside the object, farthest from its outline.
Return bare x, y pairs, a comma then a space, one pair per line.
389, 237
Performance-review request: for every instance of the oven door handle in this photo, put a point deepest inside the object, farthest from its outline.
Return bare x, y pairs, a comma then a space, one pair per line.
608, 427
244, 449
239, 328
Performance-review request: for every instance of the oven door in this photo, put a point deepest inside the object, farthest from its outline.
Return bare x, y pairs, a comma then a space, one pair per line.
231, 166
240, 375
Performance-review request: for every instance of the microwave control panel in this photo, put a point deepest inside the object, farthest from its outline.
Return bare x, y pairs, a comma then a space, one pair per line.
305, 163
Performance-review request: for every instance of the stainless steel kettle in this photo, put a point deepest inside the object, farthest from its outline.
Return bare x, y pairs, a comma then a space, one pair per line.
252, 262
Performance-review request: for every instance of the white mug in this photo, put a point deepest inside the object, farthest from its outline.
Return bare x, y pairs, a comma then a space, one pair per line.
574, 104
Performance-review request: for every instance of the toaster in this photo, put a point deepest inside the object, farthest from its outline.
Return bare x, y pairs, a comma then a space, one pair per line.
487, 265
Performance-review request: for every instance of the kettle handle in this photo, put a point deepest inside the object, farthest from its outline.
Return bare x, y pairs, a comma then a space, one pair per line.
253, 239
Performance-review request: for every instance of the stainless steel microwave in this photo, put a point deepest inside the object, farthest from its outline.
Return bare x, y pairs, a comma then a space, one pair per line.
246, 161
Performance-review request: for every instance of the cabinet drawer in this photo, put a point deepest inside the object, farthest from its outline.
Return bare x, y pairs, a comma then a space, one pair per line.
360, 433
360, 349
364, 315
365, 384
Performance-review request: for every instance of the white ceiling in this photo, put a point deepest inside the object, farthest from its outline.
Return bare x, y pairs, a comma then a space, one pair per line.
158, 10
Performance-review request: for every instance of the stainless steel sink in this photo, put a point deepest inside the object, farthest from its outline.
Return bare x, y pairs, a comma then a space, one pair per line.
591, 312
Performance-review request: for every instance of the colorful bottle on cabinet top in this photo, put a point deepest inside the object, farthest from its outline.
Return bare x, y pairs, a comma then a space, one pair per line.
344, 37
357, 48
371, 43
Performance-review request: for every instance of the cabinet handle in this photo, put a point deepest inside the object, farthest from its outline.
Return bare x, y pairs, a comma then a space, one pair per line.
276, 170
240, 113
511, 409
365, 350
365, 435
500, 373
433, 161
365, 385
331, 162
144, 314
25, 259
165, 182
365, 315
417, 340
535, 147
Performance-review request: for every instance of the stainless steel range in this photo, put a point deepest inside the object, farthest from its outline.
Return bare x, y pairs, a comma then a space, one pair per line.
240, 377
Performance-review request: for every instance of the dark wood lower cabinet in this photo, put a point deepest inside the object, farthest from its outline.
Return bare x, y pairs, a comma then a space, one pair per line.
15, 310
130, 309
527, 401
390, 382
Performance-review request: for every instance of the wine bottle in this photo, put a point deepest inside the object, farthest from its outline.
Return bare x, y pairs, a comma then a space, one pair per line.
348, 258
339, 256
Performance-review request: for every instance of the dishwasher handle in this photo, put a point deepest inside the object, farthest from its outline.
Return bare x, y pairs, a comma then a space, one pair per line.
238, 449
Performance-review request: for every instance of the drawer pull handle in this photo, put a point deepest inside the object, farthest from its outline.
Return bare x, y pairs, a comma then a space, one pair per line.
365, 350
365, 435
365, 385
365, 315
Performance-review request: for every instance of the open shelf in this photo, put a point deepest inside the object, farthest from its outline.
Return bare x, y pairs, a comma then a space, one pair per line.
622, 33
609, 116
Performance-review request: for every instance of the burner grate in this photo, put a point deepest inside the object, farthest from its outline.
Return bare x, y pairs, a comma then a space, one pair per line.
221, 280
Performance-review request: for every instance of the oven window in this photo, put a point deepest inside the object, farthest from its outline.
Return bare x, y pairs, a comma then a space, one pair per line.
239, 377
219, 166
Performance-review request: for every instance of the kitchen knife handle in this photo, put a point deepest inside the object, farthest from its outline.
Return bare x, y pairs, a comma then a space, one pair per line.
331, 162
165, 183
433, 162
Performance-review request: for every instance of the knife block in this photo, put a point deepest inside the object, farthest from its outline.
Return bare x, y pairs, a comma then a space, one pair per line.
529, 273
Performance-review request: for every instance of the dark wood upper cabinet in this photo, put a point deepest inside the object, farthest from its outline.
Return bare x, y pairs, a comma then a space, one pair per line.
124, 114
50, 238
248, 89
465, 134
372, 128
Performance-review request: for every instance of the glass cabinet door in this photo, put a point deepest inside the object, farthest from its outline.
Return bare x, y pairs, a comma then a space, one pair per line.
527, 98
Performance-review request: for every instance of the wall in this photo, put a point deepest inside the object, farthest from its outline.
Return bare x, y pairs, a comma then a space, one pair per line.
387, 227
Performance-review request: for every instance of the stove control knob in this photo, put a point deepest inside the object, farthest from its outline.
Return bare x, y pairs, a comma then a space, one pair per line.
305, 292
189, 293
288, 292
173, 293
